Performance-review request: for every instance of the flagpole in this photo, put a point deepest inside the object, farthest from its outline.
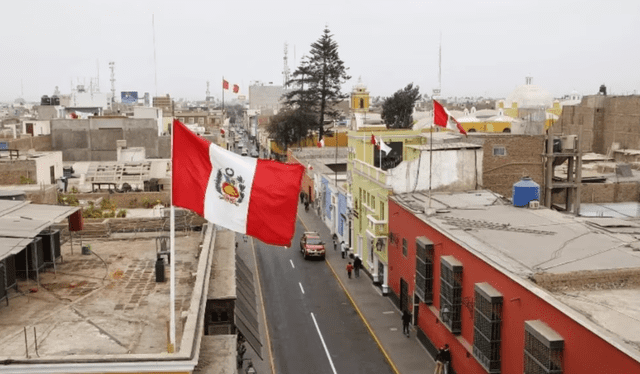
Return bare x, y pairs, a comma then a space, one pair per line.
223, 99
172, 259
430, 159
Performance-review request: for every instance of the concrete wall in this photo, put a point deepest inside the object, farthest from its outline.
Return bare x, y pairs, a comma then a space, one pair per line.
44, 163
94, 139
39, 143
603, 193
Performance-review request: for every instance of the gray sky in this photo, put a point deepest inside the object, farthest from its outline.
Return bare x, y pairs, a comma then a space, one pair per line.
488, 47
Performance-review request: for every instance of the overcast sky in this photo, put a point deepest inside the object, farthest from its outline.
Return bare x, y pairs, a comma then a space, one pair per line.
488, 47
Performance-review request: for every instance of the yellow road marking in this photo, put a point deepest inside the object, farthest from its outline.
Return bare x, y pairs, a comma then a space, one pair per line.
373, 334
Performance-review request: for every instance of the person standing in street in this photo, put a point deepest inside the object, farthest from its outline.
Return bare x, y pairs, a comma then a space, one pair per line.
406, 321
349, 268
357, 263
343, 249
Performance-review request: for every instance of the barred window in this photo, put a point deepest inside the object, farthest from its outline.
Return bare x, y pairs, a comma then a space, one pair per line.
424, 269
487, 321
543, 349
404, 247
451, 293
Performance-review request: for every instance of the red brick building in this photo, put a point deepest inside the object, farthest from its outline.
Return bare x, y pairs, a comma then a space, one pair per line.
514, 290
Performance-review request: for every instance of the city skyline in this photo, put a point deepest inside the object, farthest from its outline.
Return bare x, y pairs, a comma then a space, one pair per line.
487, 49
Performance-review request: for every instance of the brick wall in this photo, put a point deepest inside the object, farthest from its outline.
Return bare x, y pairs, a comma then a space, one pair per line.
523, 158
39, 143
595, 193
10, 172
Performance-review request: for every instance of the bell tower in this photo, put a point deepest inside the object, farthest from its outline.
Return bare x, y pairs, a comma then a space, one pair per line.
360, 97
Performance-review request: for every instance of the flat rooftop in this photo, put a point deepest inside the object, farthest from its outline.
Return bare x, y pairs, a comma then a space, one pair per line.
584, 254
520, 240
104, 303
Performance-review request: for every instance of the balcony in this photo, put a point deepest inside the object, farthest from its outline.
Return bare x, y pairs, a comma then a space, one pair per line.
377, 228
372, 172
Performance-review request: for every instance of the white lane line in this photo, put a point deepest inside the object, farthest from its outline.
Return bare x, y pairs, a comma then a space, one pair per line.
301, 289
388, 312
292, 265
324, 345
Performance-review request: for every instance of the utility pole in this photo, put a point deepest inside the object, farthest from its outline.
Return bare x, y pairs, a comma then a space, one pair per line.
112, 66
285, 71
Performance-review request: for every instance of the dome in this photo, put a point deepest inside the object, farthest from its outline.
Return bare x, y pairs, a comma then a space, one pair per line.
530, 96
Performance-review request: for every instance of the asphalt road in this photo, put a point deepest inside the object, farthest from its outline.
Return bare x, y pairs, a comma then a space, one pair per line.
312, 325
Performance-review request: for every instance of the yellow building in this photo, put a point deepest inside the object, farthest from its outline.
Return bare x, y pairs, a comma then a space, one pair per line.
360, 98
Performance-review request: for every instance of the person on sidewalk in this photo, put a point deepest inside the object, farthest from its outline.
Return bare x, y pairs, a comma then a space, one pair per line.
301, 197
335, 244
349, 268
406, 321
357, 263
443, 360
343, 248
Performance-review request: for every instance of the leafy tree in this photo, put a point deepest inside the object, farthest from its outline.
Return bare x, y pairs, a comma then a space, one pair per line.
323, 73
397, 109
290, 126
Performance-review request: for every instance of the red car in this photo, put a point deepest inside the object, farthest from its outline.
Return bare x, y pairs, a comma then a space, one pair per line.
311, 245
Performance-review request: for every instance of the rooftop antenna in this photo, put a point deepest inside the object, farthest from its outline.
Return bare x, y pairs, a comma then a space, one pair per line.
98, 78
21, 89
112, 66
155, 64
208, 92
437, 91
285, 72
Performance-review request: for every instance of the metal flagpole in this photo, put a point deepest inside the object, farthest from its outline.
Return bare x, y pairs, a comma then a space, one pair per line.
430, 157
172, 259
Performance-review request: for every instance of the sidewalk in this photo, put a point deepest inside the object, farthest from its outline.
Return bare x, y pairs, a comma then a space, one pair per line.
382, 317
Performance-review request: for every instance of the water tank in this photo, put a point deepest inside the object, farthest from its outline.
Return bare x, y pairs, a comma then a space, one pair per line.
45, 100
55, 100
524, 191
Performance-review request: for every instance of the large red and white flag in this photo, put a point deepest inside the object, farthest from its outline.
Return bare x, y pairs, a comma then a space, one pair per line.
251, 196
442, 118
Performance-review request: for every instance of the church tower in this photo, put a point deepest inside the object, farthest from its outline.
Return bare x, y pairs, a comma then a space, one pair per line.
360, 98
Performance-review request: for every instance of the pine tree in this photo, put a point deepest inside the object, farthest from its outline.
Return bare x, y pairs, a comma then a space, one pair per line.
397, 110
322, 73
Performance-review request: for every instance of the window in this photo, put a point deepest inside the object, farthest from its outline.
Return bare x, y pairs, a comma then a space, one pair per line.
542, 349
451, 293
424, 269
192, 120
499, 151
381, 211
201, 121
404, 247
487, 319
181, 119
373, 202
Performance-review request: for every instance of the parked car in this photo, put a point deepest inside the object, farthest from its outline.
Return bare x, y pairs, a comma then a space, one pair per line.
244, 152
311, 245
254, 154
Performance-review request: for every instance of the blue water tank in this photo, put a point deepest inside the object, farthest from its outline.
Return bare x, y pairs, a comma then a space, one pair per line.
524, 191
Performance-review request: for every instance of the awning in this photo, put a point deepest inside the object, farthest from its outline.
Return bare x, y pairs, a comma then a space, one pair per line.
246, 312
21, 222
11, 246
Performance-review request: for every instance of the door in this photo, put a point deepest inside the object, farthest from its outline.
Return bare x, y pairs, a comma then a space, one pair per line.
416, 308
29, 128
404, 295
52, 171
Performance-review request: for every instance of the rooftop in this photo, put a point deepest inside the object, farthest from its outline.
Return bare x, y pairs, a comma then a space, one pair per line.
107, 304
549, 246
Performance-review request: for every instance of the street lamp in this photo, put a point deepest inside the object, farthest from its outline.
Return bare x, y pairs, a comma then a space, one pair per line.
335, 137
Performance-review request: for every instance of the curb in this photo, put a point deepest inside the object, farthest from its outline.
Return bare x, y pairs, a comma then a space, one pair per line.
366, 323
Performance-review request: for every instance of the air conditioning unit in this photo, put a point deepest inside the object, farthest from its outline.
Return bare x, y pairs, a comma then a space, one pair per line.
569, 142
534, 204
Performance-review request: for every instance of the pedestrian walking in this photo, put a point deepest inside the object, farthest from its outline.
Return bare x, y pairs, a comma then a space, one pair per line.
301, 197
343, 249
335, 244
306, 205
357, 263
443, 360
349, 268
406, 321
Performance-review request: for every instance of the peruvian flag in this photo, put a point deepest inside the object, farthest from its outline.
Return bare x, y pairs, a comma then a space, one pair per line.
251, 196
236, 88
225, 84
442, 118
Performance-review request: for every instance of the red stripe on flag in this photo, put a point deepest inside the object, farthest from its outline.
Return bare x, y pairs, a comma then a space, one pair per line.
191, 169
440, 116
274, 202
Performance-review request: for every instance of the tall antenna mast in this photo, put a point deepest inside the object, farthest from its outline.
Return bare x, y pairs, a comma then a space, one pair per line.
112, 66
98, 77
285, 72
437, 91
155, 64
208, 93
